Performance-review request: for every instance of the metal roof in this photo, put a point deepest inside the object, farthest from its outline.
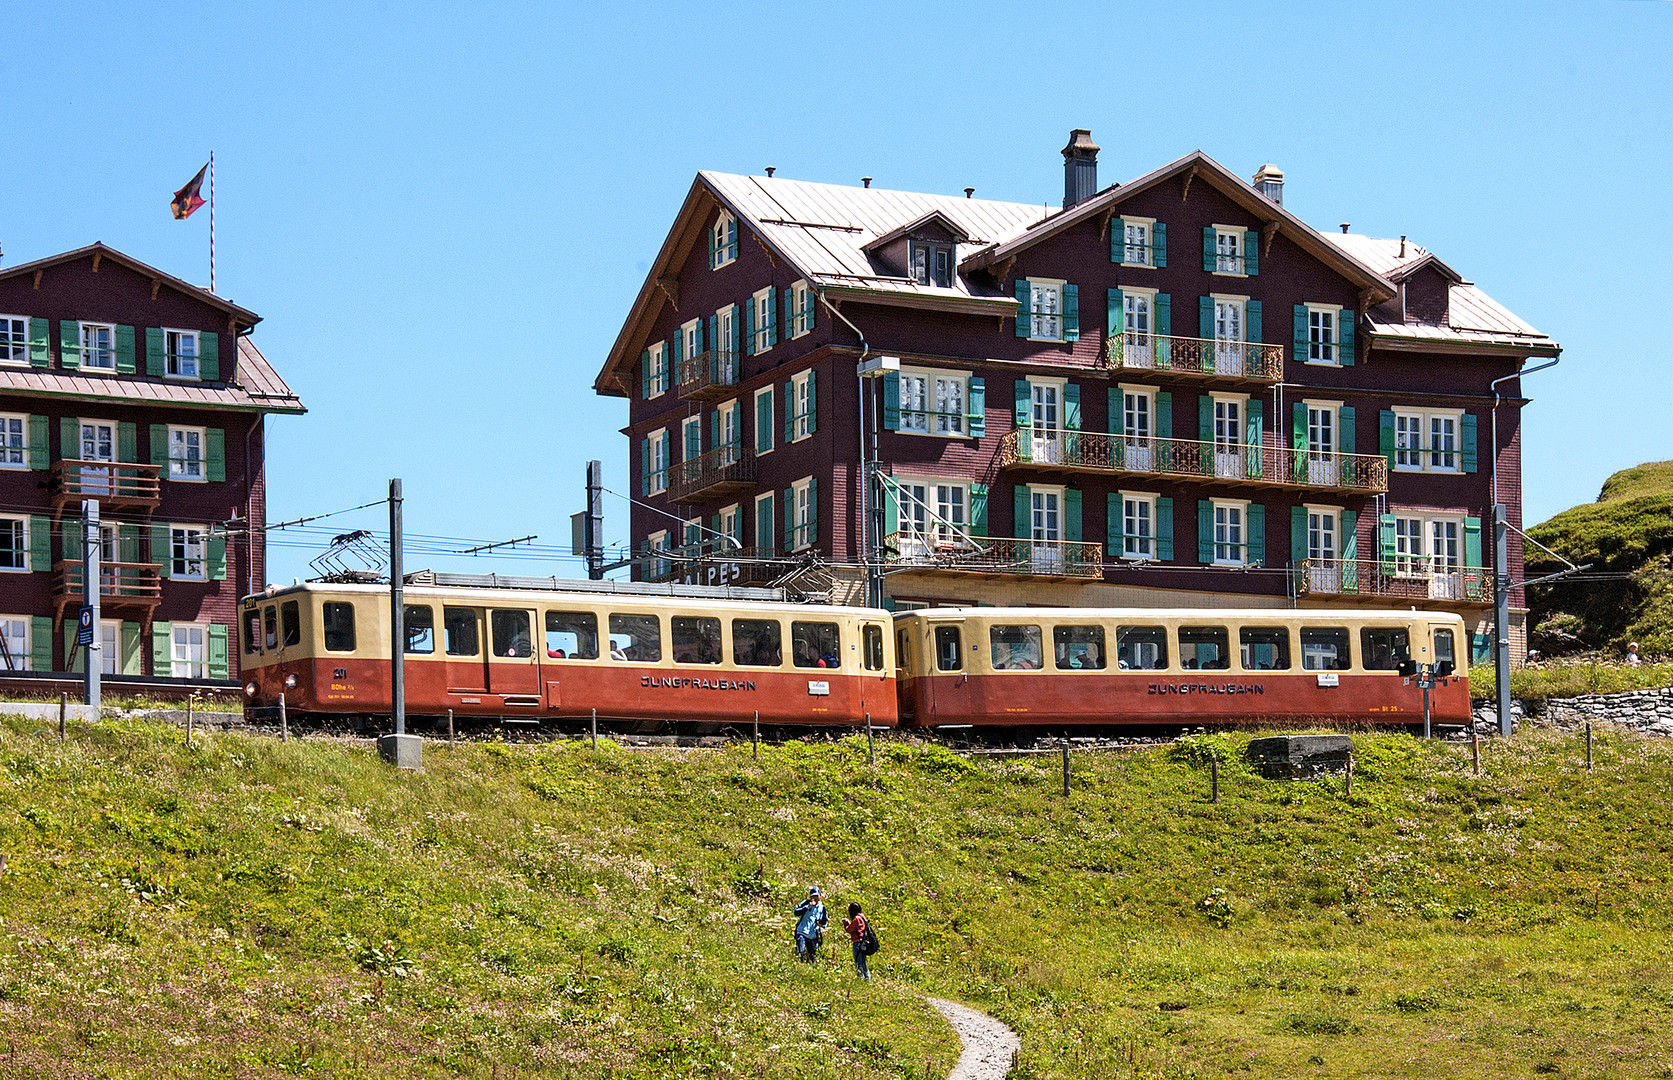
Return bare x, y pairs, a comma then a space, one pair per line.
258, 387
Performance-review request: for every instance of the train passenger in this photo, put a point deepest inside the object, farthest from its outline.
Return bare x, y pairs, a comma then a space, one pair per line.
810, 925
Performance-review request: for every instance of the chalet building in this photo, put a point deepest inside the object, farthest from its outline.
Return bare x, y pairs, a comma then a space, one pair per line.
126, 385
1171, 391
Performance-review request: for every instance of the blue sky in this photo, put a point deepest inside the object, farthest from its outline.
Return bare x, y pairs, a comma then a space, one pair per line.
443, 212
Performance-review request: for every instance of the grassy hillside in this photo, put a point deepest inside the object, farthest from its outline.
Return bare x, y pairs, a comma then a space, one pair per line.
1629, 531
254, 909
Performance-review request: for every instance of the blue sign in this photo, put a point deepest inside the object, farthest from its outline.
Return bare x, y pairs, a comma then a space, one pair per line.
84, 627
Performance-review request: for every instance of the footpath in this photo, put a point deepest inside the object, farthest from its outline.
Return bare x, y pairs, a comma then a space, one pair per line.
990, 1048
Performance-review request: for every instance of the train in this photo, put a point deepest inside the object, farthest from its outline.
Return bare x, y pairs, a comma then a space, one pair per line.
515, 651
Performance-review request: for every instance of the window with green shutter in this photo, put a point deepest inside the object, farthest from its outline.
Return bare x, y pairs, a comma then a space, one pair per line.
978, 509
39, 442
40, 643
40, 343
1024, 316
162, 649
764, 420
1164, 528
891, 401
977, 425
209, 356
69, 344
125, 350
1071, 312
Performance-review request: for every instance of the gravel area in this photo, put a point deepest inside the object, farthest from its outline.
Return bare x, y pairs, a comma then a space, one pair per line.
990, 1048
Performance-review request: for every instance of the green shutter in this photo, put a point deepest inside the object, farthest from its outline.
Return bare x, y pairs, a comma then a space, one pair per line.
1350, 536
1255, 554
732, 238
40, 643
1072, 515
127, 543
891, 401
1205, 418
1299, 549
1164, 414
1164, 529
977, 422
156, 352
641, 479
693, 438
891, 506
69, 345
160, 551
749, 326
710, 342
789, 519
1252, 325
40, 543
1302, 342
764, 421
1024, 317
1385, 435
216, 551
1115, 527
772, 316
38, 442
70, 539
69, 438
737, 331
713, 250
978, 509
130, 662
124, 350
675, 353
764, 525
1254, 429
789, 411
1159, 238
1208, 253
1162, 319
40, 343
1115, 319
1472, 541
1251, 252
1021, 510
1385, 542
1117, 410
813, 511
1071, 406
1346, 349
215, 453
1071, 313
1345, 438
811, 305
162, 649
1298, 439
1205, 317
812, 402
127, 441
1468, 426
209, 356
714, 430
1024, 404
1205, 531
159, 447
1118, 240
645, 374
787, 299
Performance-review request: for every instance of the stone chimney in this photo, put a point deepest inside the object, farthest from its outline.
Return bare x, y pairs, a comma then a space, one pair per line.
1080, 168
1269, 181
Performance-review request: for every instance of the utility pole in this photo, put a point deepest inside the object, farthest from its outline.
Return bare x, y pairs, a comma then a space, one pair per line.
593, 527
87, 623
400, 749
1501, 617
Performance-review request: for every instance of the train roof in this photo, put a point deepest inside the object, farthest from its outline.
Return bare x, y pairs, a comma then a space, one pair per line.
1137, 614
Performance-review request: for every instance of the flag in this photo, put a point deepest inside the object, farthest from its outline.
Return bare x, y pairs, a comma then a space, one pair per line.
187, 198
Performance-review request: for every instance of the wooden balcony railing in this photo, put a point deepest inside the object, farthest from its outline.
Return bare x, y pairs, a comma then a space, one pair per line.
1268, 466
125, 585
718, 472
1401, 579
1234, 361
708, 374
116, 484
998, 555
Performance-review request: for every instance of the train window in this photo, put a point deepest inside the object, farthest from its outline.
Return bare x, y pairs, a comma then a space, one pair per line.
815, 644
1324, 648
459, 631
1142, 648
270, 626
1204, 647
1384, 648
635, 637
903, 649
1078, 647
1016, 648
949, 654
1265, 648
695, 640
252, 630
572, 635
511, 632
1443, 649
420, 622
290, 617
757, 642
873, 635
339, 627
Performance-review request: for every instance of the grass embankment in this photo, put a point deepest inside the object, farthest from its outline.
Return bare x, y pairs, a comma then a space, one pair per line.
253, 908
1570, 678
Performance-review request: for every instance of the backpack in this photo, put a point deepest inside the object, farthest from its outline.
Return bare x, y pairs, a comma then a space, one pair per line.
868, 942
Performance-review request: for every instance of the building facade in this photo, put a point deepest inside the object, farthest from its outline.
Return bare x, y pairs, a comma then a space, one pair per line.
1167, 392
127, 386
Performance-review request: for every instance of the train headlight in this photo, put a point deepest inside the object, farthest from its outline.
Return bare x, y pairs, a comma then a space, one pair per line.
290, 682
249, 689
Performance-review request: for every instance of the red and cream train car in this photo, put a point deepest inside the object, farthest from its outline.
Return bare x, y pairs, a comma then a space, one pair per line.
544, 654
1052, 667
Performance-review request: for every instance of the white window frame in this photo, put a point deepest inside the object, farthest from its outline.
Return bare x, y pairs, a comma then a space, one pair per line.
1136, 547
23, 655
21, 447
87, 351
935, 421
930, 248
691, 335
1329, 349
765, 522
171, 355
799, 406
1425, 560
181, 538
656, 482
724, 255
1138, 346
21, 523
725, 360
763, 303
1035, 324
660, 375
110, 646
14, 351
177, 466
1429, 458
943, 522
658, 541
799, 293
728, 412
1241, 545
1334, 515
731, 526
1149, 247
755, 418
1240, 256
801, 495
115, 437
182, 665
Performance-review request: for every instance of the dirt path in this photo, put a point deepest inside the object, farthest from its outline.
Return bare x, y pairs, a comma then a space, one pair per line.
990, 1047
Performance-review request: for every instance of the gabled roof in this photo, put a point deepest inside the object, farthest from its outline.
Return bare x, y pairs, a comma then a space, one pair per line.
917, 224
100, 250
1196, 166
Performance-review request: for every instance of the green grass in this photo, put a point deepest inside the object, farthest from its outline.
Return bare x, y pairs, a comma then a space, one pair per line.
1570, 677
258, 909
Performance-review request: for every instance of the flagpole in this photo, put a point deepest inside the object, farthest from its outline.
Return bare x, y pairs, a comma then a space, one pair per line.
211, 221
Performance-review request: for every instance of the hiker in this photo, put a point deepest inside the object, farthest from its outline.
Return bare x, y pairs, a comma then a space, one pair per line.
1632, 658
857, 929
810, 925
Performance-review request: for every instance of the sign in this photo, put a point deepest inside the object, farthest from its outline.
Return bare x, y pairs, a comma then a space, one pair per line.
1329, 679
84, 627
819, 689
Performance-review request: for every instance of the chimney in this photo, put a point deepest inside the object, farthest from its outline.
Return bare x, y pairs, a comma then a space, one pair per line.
1269, 181
1080, 168
866, 180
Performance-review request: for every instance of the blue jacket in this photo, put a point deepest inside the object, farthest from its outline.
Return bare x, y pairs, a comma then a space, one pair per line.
812, 914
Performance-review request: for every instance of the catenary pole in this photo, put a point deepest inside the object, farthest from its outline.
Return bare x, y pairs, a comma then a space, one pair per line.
397, 611
90, 593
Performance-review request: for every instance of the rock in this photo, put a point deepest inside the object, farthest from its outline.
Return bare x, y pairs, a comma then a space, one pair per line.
1300, 757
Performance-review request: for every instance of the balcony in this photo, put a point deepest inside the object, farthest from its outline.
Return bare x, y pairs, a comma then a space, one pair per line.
707, 375
123, 586
116, 485
1225, 363
719, 472
1409, 579
997, 555
1192, 459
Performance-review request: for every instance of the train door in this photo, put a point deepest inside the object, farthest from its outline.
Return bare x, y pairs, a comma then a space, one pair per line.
513, 669
949, 686
874, 685
467, 670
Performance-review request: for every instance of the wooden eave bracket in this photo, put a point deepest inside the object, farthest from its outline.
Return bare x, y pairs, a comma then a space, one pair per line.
98, 256
1104, 226
1268, 231
670, 287
772, 257
1001, 269
232, 325
156, 284
37, 279
1364, 301
1185, 182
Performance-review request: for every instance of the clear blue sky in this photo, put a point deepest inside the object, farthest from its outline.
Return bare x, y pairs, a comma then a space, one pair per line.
443, 212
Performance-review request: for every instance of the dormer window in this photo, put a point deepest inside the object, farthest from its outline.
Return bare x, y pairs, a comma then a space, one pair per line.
932, 264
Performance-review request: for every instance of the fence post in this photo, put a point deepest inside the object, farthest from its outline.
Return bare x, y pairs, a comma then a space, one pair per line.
1065, 766
63, 712
450, 729
755, 736
595, 729
871, 753
191, 699
1475, 747
1214, 777
1350, 776
284, 721
1588, 746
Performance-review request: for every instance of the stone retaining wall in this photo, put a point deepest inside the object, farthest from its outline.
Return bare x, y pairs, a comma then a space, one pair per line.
1649, 711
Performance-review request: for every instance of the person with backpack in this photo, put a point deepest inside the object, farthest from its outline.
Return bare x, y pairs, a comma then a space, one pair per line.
863, 937
810, 925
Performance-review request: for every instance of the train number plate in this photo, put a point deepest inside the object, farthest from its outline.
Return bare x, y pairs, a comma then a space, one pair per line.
1329, 678
819, 689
